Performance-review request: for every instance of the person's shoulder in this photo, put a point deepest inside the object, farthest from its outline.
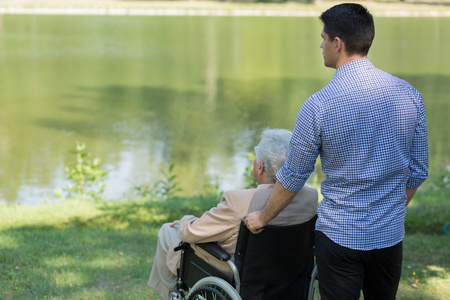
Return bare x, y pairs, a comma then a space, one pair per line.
406, 85
402, 84
238, 200
332, 90
237, 194
323, 93
393, 78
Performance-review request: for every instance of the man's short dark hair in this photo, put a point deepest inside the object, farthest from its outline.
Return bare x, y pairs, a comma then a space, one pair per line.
353, 24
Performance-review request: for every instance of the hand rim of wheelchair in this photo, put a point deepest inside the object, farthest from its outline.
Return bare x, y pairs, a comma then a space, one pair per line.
216, 282
313, 292
202, 293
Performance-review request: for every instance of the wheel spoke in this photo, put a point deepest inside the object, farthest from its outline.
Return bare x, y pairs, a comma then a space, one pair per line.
212, 288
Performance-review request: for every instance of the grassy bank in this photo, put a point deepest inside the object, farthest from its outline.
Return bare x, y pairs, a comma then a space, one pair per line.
87, 250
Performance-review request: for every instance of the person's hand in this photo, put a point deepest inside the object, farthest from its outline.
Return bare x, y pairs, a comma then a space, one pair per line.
176, 222
254, 222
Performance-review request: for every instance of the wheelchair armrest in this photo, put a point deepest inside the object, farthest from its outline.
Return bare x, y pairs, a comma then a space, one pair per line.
215, 250
182, 245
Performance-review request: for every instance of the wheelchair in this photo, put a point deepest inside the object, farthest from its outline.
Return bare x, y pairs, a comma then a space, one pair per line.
277, 263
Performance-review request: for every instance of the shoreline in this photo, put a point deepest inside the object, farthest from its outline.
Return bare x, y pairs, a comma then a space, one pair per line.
209, 8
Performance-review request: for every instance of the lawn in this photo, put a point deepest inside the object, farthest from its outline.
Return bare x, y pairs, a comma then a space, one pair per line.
104, 250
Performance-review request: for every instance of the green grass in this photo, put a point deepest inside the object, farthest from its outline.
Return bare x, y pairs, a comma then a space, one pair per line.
429, 210
426, 246
88, 250
426, 259
83, 250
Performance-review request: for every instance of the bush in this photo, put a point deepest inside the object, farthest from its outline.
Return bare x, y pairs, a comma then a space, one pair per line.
429, 210
86, 177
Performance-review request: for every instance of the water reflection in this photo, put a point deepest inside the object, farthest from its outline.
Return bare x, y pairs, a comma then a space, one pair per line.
142, 92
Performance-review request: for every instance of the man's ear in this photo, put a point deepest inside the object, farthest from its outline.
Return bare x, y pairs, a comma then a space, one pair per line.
338, 44
261, 168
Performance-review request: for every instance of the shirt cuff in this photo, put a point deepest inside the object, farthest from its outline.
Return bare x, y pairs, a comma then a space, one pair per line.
414, 183
290, 180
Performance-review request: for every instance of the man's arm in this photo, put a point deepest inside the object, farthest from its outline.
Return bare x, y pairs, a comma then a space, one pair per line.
410, 194
217, 224
278, 200
419, 154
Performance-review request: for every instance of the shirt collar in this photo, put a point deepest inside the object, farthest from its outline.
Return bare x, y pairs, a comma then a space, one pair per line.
352, 66
265, 186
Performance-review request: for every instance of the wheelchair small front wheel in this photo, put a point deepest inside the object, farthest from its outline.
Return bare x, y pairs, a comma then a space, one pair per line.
213, 288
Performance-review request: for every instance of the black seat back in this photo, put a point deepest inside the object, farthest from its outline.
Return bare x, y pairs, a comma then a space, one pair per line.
276, 263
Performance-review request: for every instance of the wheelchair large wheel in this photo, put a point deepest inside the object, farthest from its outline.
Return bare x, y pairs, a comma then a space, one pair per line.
213, 288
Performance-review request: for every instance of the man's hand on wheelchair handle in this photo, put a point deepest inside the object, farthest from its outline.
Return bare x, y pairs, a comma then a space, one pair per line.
254, 222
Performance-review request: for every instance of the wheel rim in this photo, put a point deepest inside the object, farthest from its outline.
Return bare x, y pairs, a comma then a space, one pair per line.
207, 292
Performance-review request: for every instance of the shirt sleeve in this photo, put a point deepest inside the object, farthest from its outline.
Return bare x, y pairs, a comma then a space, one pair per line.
217, 224
418, 166
304, 148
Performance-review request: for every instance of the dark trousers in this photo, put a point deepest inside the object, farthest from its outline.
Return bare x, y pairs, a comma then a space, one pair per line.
344, 272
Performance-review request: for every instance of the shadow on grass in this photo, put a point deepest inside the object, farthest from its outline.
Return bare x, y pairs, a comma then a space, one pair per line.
146, 214
73, 263
108, 256
426, 267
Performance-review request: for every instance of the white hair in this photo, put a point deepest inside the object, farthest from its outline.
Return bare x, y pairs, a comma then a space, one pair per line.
272, 150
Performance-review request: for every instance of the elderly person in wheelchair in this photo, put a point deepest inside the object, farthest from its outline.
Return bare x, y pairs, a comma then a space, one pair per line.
190, 240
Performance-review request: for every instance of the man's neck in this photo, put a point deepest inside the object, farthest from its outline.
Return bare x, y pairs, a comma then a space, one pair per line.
346, 59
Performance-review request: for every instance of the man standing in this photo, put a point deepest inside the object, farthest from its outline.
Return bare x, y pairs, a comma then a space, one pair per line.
370, 131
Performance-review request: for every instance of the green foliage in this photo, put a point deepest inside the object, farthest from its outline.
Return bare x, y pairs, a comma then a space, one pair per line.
86, 177
248, 175
164, 188
442, 180
427, 218
211, 189
429, 210
167, 188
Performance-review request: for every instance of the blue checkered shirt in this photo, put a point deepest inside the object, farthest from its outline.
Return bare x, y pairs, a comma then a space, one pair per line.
370, 131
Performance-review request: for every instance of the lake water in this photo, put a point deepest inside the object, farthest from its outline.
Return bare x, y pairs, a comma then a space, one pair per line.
195, 91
